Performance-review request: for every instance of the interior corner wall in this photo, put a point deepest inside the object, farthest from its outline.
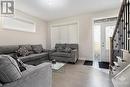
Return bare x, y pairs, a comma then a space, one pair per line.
85, 30
13, 37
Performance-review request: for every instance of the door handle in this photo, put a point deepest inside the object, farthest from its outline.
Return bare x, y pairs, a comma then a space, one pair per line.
102, 44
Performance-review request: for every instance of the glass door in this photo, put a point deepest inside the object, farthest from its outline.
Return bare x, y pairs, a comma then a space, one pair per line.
97, 42
102, 34
107, 30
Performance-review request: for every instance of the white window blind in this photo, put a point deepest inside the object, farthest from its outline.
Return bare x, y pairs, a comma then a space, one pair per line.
64, 34
18, 24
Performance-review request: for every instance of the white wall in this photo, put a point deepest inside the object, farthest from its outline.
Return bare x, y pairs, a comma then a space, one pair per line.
85, 30
12, 37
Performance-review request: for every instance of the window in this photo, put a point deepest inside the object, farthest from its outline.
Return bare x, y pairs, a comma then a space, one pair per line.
97, 41
64, 34
18, 24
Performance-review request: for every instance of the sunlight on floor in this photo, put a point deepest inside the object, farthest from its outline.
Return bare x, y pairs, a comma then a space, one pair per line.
96, 66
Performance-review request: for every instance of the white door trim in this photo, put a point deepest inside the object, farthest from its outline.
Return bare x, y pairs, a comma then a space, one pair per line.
93, 19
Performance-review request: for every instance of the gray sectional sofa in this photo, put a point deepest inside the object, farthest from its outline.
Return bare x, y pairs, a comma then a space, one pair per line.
65, 53
34, 76
33, 58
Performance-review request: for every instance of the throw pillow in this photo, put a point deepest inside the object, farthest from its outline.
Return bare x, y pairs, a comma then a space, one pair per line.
67, 50
21, 65
22, 51
59, 49
37, 48
27, 46
19, 62
9, 70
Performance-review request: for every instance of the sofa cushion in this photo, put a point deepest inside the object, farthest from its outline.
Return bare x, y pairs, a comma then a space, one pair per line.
60, 46
33, 57
9, 70
60, 49
37, 48
28, 47
31, 52
67, 50
72, 46
61, 54
8, 49
22, 51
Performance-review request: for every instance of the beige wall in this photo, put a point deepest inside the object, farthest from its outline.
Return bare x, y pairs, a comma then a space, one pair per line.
85, 30
12, 37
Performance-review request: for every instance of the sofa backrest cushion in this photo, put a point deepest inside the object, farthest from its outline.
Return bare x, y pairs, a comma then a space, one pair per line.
9, 70
37, 48
72, 46
8, 49
67, 50
28, 47
60, 46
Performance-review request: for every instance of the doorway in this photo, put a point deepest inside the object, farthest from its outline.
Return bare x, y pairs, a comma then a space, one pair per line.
101, 42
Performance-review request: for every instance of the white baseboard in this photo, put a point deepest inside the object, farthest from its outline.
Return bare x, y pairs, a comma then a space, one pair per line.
83, 58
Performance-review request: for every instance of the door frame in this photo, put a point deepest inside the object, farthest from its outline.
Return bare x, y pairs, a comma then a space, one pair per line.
93, 33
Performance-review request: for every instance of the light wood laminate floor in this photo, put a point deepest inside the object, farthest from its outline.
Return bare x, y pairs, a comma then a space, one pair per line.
79, 75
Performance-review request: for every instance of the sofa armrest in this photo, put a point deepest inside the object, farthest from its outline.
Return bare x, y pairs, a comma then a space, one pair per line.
39, 76
74, 54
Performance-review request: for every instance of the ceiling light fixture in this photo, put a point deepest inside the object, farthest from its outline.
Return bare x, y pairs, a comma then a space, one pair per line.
53, 3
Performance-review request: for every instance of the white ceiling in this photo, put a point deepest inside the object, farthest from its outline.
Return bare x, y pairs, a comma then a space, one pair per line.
64, 8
